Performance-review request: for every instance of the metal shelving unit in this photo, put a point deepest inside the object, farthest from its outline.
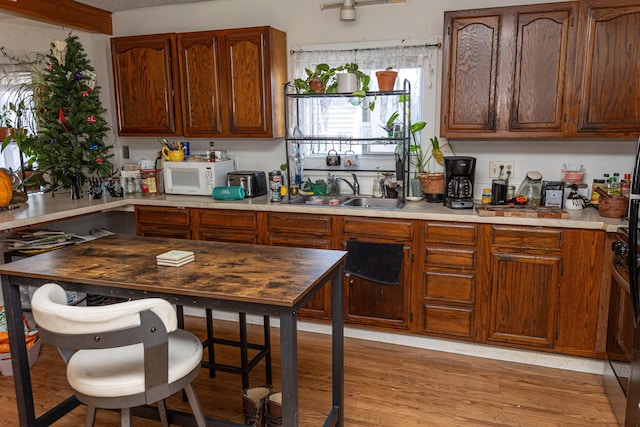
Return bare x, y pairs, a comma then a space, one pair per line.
292, 103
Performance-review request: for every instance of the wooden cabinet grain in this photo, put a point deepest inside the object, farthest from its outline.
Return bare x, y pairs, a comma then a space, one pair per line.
542, 287
371, 303
507, 71
221, 225
223, 83
449, 286
155, 221
145, 76
607, 89
304, 231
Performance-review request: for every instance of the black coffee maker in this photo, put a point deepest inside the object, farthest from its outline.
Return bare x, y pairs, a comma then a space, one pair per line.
458, 182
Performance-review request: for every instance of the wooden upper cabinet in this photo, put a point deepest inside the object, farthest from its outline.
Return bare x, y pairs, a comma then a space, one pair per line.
607, 86
469, 82
147, 99
507, 71
224, 83
543, 66
200, 83
254, 71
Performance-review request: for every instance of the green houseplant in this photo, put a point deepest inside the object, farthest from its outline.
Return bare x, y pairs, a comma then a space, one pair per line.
316, 80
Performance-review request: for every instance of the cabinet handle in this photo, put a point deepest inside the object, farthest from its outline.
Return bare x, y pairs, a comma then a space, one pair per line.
351, 282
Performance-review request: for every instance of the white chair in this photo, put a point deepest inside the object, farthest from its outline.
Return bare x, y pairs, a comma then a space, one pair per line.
122, 355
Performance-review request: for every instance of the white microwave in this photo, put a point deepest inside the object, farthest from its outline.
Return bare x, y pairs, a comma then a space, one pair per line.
195, 178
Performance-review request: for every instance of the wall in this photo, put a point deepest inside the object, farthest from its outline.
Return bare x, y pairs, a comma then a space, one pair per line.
305, 24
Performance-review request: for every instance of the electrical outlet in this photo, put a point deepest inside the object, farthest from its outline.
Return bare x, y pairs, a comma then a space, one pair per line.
494, 169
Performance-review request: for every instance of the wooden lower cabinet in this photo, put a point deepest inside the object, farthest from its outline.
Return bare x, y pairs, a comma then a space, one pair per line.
221, 225
518, 286
371, 303
304, 231
542, 287
450, 288
156, 221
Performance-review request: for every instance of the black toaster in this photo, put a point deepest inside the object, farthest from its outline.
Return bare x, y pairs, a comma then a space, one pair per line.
254, 183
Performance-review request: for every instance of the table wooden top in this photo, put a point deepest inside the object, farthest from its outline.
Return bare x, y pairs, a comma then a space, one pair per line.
278, 276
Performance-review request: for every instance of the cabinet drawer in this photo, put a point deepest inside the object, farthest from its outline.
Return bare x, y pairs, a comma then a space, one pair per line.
531, 238
318, 225
458, 234
449, 287
448, 320
240, 220
162, 216
450, 257
399, 230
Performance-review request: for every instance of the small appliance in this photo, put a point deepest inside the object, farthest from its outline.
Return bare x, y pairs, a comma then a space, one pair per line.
254, 183
195, 178
458, 182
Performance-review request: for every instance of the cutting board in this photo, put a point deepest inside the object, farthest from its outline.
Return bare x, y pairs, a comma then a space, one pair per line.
523, 211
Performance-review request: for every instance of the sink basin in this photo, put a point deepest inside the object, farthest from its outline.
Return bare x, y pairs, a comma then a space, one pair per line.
348, 201
373, 202
320, 200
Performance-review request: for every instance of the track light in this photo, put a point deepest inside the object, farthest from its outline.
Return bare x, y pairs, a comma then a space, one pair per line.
348, 7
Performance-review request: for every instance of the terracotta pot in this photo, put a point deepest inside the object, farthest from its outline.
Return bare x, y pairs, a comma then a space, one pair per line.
316, 85
386, 80
432, 185
4, 132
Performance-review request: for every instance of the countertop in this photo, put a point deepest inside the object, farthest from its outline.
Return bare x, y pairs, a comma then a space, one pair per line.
42, 208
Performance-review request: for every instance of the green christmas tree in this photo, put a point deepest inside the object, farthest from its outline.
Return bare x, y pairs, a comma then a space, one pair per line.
69, 146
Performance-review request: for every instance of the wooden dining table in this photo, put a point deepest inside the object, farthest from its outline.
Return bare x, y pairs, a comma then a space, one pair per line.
255, 279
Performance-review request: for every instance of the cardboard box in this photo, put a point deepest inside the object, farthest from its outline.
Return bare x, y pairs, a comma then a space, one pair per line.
5, 359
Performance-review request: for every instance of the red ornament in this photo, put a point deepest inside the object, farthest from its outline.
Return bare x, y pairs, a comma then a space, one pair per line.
50, 67
99, 160
91, 119
62, 118
85, 93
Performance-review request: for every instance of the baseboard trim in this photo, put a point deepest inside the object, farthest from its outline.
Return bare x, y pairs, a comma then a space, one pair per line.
536, 358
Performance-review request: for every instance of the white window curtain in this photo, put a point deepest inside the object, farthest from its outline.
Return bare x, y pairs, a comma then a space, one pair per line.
410, 62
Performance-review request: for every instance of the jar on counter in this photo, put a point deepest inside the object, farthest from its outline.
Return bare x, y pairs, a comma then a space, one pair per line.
486, 196
151, 182
595, 196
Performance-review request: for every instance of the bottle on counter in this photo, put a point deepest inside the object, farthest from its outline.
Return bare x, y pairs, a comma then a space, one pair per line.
613, 185
486, 196
625, 185
595, 196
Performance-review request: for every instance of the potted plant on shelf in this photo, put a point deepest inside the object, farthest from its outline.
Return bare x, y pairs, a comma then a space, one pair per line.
316, 81
386, 79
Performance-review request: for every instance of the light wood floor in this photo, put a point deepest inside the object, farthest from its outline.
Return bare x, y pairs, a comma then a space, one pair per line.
385, 386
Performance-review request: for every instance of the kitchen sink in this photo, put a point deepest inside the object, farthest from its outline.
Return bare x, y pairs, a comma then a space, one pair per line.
374, 202
320, 200
348, 201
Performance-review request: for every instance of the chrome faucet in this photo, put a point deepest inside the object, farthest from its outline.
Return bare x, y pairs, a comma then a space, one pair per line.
355, 187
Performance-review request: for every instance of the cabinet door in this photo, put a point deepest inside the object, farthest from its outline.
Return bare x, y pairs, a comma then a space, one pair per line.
376, 304
200, 83
523, 298
144, 73
469, 103
225, 225
304, 231
545, 49
153, 221
254, 71
608, 68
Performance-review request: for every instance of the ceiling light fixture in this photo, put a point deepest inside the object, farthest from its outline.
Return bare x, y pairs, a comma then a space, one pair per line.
348, 7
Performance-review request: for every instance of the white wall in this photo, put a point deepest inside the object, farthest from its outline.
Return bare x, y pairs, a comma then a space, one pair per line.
305, 24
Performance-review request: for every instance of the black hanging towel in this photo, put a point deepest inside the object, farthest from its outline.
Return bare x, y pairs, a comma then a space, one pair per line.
377, 262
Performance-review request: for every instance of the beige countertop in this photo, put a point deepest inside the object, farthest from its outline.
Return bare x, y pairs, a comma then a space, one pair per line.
43, 208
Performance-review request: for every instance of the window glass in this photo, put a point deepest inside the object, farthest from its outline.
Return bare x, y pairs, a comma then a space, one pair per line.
337, 117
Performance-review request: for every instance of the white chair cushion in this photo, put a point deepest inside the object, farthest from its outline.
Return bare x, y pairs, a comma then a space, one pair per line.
50, 309
120, 371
